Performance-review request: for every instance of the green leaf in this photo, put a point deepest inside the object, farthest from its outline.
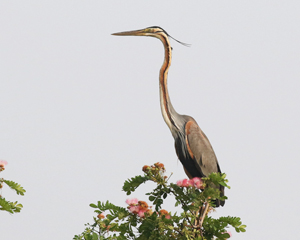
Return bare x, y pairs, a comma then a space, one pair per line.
12, 207
95, 236
151, 198
225, 235
5, 205
132, 184
15, 186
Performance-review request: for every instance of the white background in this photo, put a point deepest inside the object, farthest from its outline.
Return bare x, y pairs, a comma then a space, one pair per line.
79, 108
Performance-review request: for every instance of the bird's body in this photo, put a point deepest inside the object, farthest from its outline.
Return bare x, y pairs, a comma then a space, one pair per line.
192, 146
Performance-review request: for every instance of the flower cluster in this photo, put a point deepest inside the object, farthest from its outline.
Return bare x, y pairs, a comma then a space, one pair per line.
165, 213
141, 207
2, 165
138, 207
156, 167
103, 225
155, 172
194, 182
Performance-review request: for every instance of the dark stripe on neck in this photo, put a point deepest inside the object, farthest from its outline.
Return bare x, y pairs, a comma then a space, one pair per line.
163, 77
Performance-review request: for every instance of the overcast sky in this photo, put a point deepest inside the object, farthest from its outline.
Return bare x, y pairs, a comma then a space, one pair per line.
80, 113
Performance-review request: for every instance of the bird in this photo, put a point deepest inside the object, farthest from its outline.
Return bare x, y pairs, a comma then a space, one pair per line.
191, 144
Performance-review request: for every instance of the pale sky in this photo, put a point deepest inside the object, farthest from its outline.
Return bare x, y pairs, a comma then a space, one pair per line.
80, 113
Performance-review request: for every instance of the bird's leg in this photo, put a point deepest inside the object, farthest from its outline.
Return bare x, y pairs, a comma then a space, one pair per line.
198, 221
198, 214
203, 214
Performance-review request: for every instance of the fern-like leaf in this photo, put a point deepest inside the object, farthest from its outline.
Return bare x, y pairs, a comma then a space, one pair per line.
15, 186
12, 207
132, 184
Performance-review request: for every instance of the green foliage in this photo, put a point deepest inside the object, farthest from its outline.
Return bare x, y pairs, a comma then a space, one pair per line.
5, 205
15, 186
132, 184
12, 207
214, 227
141, 222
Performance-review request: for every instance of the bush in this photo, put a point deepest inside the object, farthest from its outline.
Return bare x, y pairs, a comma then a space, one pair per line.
139, 221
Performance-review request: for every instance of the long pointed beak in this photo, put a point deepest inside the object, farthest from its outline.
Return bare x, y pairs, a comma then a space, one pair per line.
131, 33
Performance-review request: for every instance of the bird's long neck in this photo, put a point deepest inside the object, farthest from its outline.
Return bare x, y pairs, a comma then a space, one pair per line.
168, 112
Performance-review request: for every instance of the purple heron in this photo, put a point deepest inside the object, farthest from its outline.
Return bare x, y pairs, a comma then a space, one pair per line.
192, 146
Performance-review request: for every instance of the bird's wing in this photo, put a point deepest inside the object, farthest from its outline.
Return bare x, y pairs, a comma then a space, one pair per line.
200, 149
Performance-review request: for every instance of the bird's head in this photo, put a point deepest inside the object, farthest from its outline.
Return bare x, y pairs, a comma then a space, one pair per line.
150, 32
154, 31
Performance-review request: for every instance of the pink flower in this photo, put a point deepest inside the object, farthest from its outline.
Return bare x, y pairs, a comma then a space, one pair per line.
141, 213
190, 183
134, 209
132, 201
179, 183
229, 233
198, 182
195, 182
2, 163
187, 182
